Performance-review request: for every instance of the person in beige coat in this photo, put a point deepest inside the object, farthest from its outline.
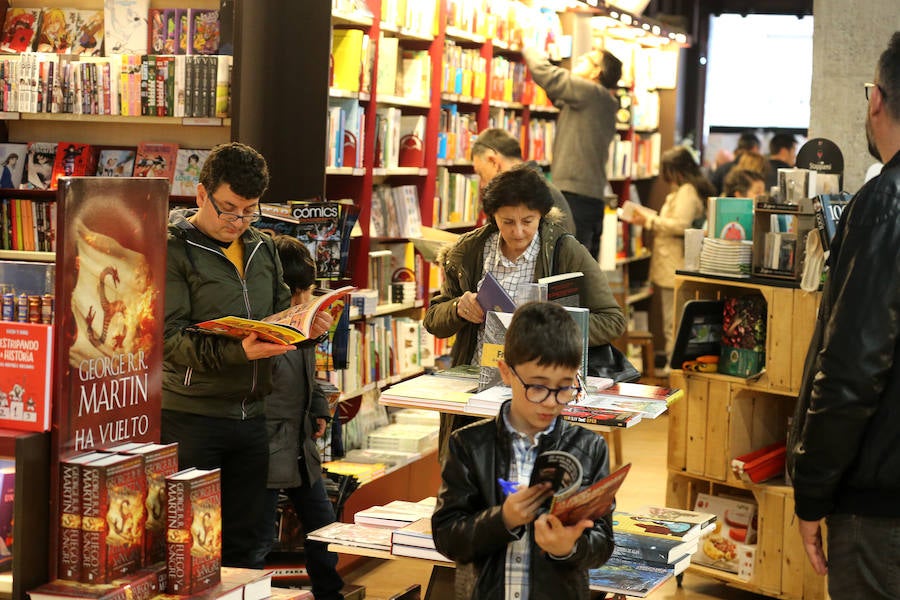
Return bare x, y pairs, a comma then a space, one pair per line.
685, 207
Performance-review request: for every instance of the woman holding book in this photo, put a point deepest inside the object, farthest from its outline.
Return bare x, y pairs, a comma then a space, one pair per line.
684, 208
516, 246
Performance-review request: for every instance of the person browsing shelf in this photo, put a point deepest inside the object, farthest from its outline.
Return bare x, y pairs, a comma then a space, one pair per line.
503, 546
584, 130
517, 246
782, 155
842, 448
296, 415
496, 151
685, 207
213, 386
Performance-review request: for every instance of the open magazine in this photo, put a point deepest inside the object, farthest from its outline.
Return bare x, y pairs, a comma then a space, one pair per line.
287, 327
564, 472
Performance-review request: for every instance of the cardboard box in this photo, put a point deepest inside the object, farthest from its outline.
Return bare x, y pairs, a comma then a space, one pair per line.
725, 546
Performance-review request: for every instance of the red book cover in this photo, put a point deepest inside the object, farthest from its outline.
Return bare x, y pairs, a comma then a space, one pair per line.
193, 530
72, 159
140, 585
113, 494
155, 160
27, 356
160, 461
69, 555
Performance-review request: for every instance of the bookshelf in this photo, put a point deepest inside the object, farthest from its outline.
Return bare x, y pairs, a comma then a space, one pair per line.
722, 417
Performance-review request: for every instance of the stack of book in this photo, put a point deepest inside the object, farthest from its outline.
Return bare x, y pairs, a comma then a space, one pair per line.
415, 540
363, 472
403, 437
730, 258
396, 513
430, 391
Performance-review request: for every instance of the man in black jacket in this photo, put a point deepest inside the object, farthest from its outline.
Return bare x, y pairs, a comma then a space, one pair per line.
844, 445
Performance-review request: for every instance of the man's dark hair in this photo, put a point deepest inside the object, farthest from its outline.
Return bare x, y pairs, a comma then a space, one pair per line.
543, 331
238, 165
520, 186
740, 180
781, 141
498, 140
299, 267
747, 141
889, 76
612, 70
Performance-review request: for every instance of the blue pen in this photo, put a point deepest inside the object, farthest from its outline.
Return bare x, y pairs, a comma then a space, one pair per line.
508, 487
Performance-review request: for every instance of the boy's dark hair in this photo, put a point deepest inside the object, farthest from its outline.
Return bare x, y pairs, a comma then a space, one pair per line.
238, 165
889, 76
747, 141
543, 331
740, 180
299, 267
520, 186
498, 140
781, 141
612, 70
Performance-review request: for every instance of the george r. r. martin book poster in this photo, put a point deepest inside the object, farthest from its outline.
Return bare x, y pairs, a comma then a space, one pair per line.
111, 269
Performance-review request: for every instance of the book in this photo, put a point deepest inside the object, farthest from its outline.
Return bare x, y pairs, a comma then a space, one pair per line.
69, 548
72, 160
320, 228
351, 534
115, 162
160, 461
155, 160
647, 409
582, 317
289, 326
161, 26
704, 519
57, 30
591, 502
648, 524
257, 583
734, 529
347, 57
492, 296
125, 25
416, 533
39, 167
193, 530
418, 551
558, 468
654, 551
396, 513
628, 578
565, 288
188, 163
27, 376
639, 391
20, 29
743, 343
87, 28
204, 31
113, 493
142, 584
626, 212
593, 415
495, 326
731, 218
828, 209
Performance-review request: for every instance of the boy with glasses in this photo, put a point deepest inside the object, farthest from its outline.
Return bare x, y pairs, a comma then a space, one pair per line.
503, 546
213, 386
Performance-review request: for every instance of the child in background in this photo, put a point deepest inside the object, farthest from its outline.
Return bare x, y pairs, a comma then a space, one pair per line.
296, 414
503, 546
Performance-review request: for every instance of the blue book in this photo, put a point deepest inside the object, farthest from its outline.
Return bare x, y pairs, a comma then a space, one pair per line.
492, 296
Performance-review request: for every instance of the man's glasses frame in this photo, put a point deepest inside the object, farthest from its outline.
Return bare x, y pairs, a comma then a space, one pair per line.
868, 86
234, 217
536, 393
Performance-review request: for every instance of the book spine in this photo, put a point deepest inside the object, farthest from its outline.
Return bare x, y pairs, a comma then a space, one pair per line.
178, 537
69, 566
156, 467
93, 526
589, 420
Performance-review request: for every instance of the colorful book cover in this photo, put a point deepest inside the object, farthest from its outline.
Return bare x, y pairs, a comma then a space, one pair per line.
69, 548
160, 461
628, 578
182, 28
20, 30
188, 163
57, 31
319, 227
591, 502
203, 31
142, 584
194, 530
87, 28
495, 326
27, 375
39, 167
72, 159
592, 415
113, 494
125, 26
115, 162
12, 165
657, 552
157, 25
642, 524
109, 309
565, 288
156, 160
733, 219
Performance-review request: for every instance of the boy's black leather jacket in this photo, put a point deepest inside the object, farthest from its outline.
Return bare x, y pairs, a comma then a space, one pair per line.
468, 526
844, 448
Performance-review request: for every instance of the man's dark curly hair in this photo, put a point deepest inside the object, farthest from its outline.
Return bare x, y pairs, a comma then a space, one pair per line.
238, 165
517, 187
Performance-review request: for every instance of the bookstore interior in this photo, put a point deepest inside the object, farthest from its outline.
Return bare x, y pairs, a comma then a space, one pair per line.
109, 109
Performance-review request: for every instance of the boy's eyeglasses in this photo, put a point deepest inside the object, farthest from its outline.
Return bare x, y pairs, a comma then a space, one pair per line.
537, 393
233, 217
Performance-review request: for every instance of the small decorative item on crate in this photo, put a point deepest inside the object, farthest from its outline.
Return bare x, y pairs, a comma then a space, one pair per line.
743, 351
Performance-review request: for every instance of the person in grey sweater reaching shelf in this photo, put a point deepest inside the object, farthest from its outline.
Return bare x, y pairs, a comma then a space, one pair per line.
585, 128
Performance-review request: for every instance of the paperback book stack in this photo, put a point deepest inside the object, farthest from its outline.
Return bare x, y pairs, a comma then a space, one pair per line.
730, 258
416, 540
193, 530
396, 513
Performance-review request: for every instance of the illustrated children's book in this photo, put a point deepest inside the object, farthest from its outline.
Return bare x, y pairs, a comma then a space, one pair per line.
115, 162
286, 327
155, 160
19, 30
187, 171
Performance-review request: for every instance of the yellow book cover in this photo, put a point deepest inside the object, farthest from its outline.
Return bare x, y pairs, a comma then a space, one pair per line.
347, 49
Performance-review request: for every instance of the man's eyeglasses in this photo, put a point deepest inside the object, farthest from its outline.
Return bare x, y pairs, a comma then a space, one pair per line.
233, 217
538, 393
869, 86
